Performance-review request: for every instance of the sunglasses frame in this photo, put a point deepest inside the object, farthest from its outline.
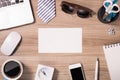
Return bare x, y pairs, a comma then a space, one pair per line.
76, 8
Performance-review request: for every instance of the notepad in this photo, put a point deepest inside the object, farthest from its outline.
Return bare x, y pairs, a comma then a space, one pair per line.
60, 40
112, 54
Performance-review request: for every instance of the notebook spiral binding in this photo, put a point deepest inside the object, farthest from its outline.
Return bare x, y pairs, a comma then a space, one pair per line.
112, 45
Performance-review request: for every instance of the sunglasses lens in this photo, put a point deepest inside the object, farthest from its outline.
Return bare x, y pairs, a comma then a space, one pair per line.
67, 9
83, 13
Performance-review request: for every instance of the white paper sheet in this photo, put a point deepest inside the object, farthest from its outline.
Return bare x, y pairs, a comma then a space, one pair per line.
60, 40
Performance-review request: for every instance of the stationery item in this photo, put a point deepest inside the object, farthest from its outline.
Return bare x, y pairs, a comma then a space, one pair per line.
112, 54
12, 69
10, 43
111, 31
96, 69
101, 13
60, 40
114, 1
111, 8
44, 72
15, 13
71, 8
46, 10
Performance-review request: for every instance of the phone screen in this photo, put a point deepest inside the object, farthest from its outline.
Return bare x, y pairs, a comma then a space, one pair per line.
77, 74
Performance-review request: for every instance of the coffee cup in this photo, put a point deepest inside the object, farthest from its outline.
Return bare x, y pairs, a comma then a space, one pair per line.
12, 69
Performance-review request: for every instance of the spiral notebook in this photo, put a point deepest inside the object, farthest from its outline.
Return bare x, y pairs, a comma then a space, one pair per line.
112, 54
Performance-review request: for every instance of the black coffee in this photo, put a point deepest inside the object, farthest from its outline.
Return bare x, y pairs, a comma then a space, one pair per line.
12, 69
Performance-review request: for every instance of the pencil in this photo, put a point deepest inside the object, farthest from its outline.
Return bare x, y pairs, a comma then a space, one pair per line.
96, 69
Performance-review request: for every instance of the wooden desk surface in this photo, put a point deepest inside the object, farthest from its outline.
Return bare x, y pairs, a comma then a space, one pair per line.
95, 35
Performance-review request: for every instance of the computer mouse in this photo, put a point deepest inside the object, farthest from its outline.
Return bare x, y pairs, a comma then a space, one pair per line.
10, 43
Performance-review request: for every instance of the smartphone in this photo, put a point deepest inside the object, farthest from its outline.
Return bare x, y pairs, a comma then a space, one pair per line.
76, 72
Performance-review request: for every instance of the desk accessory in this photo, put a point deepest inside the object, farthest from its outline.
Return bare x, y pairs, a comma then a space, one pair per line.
97, 69
72, 8
111, 31
60, 40
10, 43
12, 69
109, 12
46, 10
15, 13
44, 72
112, 55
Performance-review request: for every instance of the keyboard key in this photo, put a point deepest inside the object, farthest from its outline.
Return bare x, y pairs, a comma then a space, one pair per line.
2, 0
4, 4
21, 0
0, 4
17, 1
13, 1
8, 3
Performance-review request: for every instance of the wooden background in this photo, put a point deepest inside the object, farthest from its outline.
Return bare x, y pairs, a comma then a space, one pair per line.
95, 35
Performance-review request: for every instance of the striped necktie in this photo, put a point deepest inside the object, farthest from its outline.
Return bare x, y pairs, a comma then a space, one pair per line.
46, 10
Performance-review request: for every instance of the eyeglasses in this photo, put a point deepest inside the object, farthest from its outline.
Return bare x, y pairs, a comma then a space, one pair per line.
71, 8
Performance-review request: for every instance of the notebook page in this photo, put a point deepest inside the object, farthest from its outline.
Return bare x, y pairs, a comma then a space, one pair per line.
112, 54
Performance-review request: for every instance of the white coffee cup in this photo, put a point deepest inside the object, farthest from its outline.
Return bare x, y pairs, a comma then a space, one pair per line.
12, 66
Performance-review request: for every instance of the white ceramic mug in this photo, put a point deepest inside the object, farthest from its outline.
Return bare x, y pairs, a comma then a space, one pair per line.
12, 69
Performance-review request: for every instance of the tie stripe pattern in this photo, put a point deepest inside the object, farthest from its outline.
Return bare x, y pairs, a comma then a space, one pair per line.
46, 10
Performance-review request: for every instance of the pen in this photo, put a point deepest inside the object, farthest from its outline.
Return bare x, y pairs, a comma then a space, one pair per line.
96, 69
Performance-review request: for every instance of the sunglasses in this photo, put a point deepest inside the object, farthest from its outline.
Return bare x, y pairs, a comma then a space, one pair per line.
71, 8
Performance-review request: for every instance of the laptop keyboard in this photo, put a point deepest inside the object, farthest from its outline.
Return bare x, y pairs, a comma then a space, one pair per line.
4, 3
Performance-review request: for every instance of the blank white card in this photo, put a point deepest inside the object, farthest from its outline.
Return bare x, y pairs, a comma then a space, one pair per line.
60, 40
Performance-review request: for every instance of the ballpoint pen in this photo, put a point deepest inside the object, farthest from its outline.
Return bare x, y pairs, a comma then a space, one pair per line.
96, 69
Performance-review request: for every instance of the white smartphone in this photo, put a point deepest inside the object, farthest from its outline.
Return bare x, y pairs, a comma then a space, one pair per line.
76, 72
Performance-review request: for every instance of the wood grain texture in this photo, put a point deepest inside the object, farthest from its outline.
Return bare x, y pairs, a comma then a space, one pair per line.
95, 35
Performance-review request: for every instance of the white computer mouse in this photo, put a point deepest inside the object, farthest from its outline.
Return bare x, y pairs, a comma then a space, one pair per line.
10, 43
